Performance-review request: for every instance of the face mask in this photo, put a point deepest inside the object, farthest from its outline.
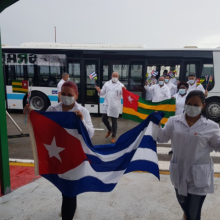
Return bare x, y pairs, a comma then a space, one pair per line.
192, 111
182, 91
161, 83
114, 79
66, 100
191, 81
68, 79
166, 80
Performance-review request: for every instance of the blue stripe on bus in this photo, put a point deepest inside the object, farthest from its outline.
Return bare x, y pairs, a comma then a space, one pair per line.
53, 98
15, 96
21, 96
101, 100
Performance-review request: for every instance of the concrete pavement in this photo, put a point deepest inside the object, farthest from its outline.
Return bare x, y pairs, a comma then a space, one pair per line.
137, 196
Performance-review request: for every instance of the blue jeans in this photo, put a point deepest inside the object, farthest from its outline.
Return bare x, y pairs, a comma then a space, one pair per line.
191, 205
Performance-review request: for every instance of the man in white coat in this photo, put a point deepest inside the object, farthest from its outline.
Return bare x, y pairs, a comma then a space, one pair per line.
192, 81
170, 85
160, 92
112, 90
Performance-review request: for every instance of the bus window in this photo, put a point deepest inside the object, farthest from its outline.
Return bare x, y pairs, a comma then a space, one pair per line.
74, 72
30, 74
190, 68
105, 74
14, 72
135, 79
207, 70
122, 70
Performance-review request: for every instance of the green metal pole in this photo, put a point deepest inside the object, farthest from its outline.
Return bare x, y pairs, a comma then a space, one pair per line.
4, 156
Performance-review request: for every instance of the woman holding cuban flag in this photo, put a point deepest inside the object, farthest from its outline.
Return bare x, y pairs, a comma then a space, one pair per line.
193, 137
68, 97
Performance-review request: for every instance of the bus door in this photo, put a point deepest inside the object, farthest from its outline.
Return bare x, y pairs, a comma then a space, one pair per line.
79, 71
190, 66
90, 95
136, 77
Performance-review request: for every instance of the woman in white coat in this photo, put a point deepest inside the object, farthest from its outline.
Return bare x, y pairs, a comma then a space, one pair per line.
193, 137
68, 97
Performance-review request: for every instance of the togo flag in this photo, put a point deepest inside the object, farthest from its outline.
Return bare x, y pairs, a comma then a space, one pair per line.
64, 154
20, 86
137, 108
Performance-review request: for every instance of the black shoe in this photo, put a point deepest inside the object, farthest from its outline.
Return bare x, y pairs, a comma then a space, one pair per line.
170, 152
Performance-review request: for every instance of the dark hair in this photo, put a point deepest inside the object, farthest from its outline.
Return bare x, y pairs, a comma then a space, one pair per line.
199, 94
165, 71
182, 83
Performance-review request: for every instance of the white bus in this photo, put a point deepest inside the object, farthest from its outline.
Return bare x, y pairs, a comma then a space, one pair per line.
42, 64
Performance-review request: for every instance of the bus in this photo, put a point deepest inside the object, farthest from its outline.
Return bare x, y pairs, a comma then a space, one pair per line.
42, 64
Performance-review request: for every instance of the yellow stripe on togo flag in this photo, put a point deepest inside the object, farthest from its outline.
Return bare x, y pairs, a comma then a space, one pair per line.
16, 83
131, 111
166, 107
19, 90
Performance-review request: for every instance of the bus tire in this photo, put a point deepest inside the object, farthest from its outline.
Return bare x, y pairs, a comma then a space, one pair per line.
39, 101
212, 108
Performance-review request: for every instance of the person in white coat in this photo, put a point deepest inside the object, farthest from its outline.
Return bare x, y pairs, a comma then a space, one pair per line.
65, 77
180, 100
160, 92
152, 81
68, 97
193, 137
112, 90
170, 85
192, 81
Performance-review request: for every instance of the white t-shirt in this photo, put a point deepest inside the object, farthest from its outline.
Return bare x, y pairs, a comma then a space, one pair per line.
159, 94
172, 87
59, 85
180, 103
174, 81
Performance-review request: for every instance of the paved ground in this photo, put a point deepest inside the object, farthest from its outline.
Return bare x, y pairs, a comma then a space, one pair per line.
137, 196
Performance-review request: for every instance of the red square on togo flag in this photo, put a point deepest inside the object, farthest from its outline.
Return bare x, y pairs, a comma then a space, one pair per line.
24, 84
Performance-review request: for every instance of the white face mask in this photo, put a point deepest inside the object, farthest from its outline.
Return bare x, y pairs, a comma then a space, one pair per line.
192, 111
161, 83
114, 79
67, 100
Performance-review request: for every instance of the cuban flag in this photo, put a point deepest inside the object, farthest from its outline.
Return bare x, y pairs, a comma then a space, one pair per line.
154, 73
65, 156
92, 75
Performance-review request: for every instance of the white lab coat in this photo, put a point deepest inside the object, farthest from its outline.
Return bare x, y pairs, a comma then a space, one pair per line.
149, 94
86, 116
180, 103
159, 94
191, 167
172, 87
195, 87
112, 103
59, 85
174, 81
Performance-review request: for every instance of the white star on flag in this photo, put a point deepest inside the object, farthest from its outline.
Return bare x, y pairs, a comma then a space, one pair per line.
53, 150
130, 99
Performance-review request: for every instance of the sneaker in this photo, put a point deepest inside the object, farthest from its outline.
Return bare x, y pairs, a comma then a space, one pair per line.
108, 134
113, 140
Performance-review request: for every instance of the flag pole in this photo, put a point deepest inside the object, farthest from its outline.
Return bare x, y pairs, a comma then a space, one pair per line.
4, 155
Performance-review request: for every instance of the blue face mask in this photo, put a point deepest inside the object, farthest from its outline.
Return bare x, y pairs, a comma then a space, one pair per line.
161, 83
166, 80
182, 91
191, 81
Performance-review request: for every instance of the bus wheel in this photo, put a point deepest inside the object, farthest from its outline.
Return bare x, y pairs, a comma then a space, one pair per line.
212, 109
39, 101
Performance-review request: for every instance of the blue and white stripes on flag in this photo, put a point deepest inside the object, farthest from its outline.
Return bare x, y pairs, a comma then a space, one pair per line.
92, 75
135, 150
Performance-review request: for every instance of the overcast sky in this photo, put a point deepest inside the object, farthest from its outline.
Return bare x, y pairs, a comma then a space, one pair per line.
155, 23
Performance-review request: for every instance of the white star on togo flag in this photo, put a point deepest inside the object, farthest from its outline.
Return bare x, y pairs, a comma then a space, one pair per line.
130, 99
53, 150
